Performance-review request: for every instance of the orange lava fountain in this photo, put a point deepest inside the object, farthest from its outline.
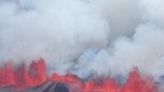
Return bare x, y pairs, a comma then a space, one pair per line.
22, 79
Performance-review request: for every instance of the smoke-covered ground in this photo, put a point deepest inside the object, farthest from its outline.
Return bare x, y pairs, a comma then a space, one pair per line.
85, 37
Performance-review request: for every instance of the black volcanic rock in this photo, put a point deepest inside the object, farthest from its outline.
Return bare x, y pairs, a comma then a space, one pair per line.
53, 87
47, 87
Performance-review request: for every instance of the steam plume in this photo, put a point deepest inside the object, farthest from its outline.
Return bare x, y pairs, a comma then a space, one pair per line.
84, 36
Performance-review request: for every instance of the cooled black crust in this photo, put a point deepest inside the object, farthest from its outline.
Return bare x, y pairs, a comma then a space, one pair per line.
56, 87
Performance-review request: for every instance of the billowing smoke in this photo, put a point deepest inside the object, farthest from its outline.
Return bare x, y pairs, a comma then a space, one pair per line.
102, 37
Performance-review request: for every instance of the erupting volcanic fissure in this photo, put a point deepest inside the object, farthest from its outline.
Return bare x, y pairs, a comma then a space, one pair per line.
84, 45
23, 79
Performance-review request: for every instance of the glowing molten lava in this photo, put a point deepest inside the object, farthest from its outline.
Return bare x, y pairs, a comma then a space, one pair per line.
22, 78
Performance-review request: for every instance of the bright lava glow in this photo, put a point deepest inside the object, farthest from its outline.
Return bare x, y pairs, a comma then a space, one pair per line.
22, 79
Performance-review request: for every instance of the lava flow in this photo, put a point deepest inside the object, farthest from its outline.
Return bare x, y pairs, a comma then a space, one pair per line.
23, 79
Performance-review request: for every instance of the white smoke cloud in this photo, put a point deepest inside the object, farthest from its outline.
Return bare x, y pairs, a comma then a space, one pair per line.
144, 49
122, 15
58, 31
85, 36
